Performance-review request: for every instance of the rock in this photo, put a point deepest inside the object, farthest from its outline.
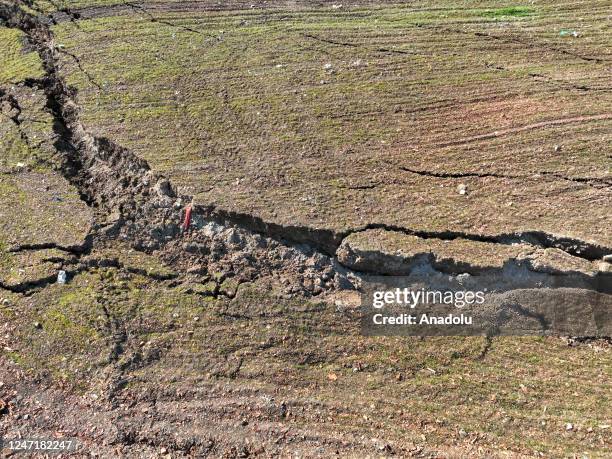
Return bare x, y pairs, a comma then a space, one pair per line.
37, 325
195, 247
196, 269
607, 258
462, 433
233, 237
163, 188
557, 148
569, 426
462, 189
212, 229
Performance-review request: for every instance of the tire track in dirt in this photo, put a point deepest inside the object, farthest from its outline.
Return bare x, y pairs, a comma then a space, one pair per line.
514, 40
527, 127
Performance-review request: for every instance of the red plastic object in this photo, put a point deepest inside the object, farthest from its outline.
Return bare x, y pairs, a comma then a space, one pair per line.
187, 220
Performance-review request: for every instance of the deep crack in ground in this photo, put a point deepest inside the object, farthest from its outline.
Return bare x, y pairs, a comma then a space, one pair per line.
135, 204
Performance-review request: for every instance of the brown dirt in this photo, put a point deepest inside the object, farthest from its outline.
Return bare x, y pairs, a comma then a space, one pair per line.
240, 336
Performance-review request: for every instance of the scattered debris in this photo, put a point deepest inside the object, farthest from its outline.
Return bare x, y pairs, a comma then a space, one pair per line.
569, 33
61, 277
187, 220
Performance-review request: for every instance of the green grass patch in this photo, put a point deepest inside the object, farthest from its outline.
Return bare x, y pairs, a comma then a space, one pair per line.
15, 64
510, 11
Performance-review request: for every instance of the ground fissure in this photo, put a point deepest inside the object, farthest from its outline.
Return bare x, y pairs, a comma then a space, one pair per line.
134, 203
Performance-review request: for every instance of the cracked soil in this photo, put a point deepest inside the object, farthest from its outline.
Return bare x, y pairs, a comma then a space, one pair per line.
221, 181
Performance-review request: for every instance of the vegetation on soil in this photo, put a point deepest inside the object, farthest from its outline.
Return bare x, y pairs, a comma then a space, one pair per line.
151, 356
328, 110
15, 63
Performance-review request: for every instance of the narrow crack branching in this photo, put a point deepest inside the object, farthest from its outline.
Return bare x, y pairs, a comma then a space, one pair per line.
30, 287
62, 8
370, 186
81, 68
486, 347
143, 10
527, 43
356, 45
109, 262
533, 44
595, 182
75, 250
14, 115
556, 83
